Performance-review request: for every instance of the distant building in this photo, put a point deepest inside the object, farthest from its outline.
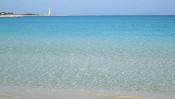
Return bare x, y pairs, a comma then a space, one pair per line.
4, 13
49, 12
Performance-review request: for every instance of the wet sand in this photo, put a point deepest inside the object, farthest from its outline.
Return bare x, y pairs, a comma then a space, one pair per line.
40, 93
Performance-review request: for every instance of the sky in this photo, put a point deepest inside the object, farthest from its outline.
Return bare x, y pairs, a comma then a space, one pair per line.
90, 7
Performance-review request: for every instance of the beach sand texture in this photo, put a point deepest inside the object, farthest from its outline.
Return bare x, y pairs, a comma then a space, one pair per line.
34, 93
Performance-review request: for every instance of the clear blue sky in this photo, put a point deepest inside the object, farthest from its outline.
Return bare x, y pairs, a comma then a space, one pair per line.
90, 7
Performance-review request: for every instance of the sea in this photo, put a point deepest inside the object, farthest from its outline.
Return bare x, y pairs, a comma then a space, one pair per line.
91, 53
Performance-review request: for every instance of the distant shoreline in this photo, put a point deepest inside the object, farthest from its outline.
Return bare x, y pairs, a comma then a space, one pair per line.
20, 15
23, 15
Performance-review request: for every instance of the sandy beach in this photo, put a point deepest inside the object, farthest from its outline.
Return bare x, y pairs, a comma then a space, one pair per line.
16, 15
7, 92
40, 93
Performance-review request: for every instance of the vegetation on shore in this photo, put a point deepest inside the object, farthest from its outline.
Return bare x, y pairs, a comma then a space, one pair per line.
11, 13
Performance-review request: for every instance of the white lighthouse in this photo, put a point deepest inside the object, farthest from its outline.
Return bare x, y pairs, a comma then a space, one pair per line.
49, 12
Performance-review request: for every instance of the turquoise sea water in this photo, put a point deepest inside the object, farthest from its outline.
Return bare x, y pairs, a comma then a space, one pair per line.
129, 53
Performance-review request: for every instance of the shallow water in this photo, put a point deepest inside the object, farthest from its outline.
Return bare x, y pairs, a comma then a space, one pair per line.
129, 53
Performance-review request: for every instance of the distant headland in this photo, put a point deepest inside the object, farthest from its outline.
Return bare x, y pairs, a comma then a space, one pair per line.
11, 14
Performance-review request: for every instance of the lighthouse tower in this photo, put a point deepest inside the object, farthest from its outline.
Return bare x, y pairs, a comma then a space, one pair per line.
49, 12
